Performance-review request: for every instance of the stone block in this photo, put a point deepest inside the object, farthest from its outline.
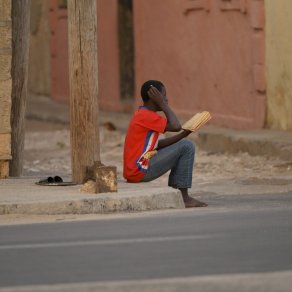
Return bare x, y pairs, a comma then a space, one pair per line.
5, 106
106, 179
5, 90
5, 10
5, 146
5, 118
4, 168
5, 67
5, 38
89, 187
100, 179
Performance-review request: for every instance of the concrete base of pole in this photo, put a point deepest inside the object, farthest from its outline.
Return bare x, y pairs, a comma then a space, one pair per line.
100, 179
106, 179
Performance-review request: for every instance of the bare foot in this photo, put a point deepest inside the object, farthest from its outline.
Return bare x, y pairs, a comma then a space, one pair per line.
193, 203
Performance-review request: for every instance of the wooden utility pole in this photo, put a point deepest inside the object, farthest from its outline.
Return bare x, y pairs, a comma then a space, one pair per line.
83, 74
19, 72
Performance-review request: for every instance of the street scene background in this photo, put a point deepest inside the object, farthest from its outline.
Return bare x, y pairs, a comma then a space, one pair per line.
232, 58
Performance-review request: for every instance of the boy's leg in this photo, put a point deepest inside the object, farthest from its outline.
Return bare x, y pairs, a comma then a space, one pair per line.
167, 158
189, 201
179, 158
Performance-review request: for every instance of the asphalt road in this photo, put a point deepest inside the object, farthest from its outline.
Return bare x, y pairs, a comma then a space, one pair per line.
235, 235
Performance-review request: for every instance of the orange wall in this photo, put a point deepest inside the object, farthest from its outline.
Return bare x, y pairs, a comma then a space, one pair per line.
108, 54
209, 54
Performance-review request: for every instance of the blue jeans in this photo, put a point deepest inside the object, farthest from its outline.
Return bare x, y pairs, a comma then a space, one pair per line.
179, 158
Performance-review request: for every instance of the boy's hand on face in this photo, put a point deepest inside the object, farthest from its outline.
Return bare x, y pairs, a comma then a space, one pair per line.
156, 96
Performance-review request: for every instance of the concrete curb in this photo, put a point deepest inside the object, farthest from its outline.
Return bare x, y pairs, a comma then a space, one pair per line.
96, 206
255, 142
36, 200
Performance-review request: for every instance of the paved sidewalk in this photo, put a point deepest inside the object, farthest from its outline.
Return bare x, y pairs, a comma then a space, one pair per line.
23, 196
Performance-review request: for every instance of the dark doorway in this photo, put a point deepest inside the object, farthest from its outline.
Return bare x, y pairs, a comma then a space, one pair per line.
126, 48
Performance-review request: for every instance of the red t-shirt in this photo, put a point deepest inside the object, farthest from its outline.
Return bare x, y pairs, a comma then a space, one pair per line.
141, 137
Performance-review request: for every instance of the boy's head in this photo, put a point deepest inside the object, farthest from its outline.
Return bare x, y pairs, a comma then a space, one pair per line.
146, 86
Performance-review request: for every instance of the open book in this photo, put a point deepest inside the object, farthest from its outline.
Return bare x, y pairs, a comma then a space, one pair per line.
197, 121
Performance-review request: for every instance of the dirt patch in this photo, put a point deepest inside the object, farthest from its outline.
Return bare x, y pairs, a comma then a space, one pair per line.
47, 152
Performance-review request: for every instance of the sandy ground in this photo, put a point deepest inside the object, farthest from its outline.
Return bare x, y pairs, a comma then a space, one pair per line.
47, 152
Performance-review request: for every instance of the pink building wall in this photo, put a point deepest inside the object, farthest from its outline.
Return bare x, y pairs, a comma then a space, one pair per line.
108, 54
209, 54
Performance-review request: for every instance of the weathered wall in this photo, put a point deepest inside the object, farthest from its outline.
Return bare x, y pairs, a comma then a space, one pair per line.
209, 54
39, 79
279, 63
59, 52
5, 86
108, 54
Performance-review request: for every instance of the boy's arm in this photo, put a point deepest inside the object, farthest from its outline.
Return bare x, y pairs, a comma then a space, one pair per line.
173, 124
171, 140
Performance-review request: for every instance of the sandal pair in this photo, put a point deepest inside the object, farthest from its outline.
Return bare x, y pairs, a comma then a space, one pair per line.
54, 181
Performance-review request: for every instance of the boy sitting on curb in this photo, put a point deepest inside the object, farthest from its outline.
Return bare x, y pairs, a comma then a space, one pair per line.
146, 157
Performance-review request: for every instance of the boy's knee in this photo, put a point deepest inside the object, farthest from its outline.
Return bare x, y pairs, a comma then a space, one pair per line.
188, 145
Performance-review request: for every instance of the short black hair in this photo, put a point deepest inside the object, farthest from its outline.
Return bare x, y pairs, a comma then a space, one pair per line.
146, 86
